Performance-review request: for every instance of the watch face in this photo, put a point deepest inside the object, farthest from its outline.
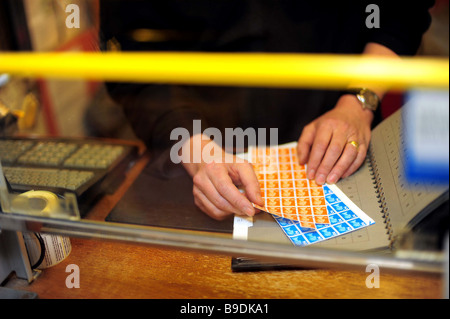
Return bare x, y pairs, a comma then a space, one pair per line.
370, 100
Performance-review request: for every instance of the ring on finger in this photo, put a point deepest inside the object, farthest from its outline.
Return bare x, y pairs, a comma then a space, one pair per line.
355, 144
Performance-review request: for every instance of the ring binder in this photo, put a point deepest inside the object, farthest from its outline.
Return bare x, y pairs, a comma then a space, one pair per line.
379, 191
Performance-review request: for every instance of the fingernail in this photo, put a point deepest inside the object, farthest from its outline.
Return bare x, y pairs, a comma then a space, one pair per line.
320, 179
260, 199
311, 174
332, 179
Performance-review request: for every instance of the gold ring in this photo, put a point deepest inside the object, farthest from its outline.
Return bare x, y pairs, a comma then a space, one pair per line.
354, 143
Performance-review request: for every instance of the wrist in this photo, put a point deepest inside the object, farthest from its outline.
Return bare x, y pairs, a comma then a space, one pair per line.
367, 98
351, 105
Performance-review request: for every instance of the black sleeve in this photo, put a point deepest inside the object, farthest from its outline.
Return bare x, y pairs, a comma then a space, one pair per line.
153, 110
402, 24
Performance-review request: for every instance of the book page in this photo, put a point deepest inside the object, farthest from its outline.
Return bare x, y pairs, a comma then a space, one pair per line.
406, 203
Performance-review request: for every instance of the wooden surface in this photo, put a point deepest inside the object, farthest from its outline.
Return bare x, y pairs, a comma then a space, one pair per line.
117, 270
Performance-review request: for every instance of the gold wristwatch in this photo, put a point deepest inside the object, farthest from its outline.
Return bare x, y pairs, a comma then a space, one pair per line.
369, 100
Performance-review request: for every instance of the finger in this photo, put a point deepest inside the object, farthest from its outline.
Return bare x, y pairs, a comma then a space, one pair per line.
348, 157
245, 176
332, 155
203, 184
357, 162
318, 150
218, 174
304, 143
202, 202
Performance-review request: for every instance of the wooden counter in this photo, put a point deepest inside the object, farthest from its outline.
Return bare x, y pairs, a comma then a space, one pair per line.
118, 270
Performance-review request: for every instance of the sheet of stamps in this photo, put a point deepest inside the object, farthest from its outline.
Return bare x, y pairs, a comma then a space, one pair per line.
284, 186
306, 212
344, 218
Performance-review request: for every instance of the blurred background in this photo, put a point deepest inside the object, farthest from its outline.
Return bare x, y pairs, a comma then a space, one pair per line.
83, 108
46, 107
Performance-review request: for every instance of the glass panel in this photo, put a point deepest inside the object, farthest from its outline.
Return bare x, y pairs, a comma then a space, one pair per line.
107, 135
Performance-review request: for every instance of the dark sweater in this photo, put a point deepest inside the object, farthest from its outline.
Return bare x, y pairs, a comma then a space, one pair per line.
247, 26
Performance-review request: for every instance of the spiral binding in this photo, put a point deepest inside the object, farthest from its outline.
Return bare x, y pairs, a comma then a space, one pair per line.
379, 190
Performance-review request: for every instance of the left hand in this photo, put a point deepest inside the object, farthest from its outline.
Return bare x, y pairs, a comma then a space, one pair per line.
324, 144
216, 177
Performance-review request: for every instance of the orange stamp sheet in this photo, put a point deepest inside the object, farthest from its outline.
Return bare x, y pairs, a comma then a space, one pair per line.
284, 186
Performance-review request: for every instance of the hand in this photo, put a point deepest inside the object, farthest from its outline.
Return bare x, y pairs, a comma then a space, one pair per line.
216, 180
324, 144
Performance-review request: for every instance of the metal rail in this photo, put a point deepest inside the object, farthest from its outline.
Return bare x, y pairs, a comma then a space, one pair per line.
234, 69
431, 263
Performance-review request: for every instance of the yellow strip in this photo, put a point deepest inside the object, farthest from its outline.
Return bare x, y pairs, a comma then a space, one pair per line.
242, 69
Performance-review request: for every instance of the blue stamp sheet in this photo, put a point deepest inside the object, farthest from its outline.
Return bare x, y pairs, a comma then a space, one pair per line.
343, 220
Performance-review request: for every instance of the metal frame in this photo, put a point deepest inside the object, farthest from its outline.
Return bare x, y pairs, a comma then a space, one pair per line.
429, 262
14, 256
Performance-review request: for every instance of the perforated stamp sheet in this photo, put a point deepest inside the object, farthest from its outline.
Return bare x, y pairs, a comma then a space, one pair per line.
306, 212
284, 186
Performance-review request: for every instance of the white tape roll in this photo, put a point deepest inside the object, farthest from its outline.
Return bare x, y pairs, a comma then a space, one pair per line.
57, 248
36, 203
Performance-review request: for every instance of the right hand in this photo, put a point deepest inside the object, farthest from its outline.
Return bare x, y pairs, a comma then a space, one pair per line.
216, 181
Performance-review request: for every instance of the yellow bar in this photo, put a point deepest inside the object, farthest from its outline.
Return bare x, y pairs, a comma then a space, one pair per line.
232, 69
